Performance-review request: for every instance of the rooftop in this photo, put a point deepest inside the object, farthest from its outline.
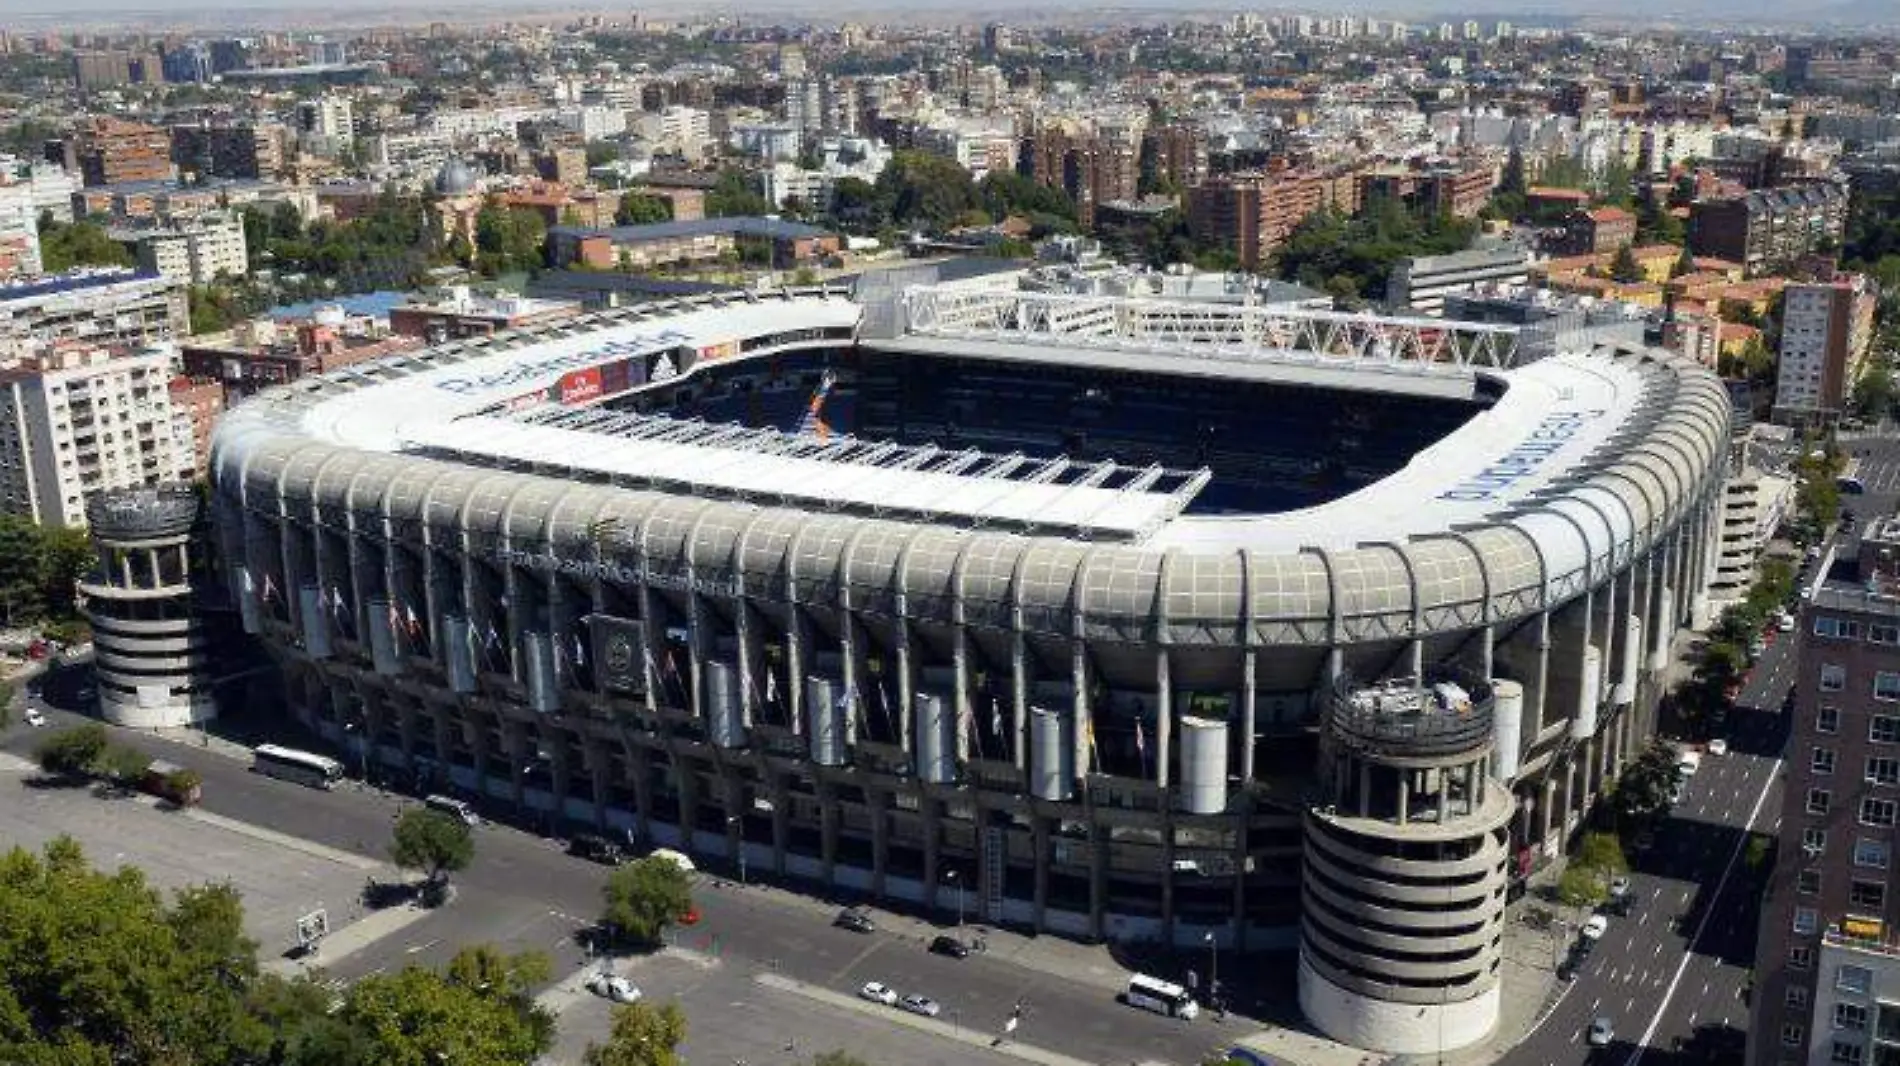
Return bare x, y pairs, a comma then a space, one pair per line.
776, 229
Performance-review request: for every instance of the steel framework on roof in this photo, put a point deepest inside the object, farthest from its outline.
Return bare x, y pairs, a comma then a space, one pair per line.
1176, 487
1213, 330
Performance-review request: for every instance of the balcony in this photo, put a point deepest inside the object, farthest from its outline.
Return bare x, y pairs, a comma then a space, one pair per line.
1444, 714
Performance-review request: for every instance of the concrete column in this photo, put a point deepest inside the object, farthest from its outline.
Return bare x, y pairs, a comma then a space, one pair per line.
1535, 716
828, 831
906, 687
1249, 664
1365, 789
640, 765
1039, 835
1084, 725
406, 730
1548, 808
1405, 796
960, 689
600, 776
1019, 696
751, 693
697, 640
927, 808
1098, 879
478, 749
514, 744
879, 804
781, 826
854, 679
650, 633
1164, 718
1444, 794
794, 693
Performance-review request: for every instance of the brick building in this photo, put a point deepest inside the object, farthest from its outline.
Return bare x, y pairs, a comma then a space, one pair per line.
107, 151
1768, 229
230, 149
1597, 231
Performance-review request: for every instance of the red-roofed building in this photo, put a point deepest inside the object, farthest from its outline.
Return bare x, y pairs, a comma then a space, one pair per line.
1599, 230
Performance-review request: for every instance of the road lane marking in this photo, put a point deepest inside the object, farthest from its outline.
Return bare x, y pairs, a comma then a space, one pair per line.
1669, 993
875, 943
424, 946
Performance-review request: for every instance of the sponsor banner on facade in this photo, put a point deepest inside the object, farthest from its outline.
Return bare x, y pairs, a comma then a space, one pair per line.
579, 386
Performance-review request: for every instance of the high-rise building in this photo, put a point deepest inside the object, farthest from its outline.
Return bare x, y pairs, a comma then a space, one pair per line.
92, 306
194, 252
1825, 333
1827, 974
80, 419
107, 151
791, 61
330, 116
101, 70
1768, 229
229, 149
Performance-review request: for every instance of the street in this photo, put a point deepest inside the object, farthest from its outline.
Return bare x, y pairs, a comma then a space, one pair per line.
524, 892
1671, 977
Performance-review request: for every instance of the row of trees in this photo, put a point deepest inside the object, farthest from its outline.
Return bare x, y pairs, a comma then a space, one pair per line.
1351, 257
102, 968
40, 568
65, 245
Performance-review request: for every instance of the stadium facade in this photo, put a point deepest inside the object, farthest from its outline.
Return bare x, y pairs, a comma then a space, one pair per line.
1129, 619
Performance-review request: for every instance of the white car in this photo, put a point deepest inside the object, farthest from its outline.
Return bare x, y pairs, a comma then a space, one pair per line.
878, 993
34, 718
1596, 927
1718, 746
1688, 763
923, 1005
614, 987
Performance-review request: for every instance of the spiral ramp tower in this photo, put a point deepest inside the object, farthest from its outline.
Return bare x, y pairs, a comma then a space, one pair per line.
1405, 867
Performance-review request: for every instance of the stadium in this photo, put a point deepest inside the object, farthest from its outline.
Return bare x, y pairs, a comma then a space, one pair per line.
1122, 619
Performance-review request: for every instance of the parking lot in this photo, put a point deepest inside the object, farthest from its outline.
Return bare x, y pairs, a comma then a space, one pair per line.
279, 880
735, 1015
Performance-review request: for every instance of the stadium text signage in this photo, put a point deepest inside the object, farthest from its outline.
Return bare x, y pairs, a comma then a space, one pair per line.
582, 568
1555, 431
518, 373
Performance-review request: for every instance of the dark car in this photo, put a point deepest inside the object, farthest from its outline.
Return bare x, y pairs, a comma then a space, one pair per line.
596, 849
951, 946
855, 920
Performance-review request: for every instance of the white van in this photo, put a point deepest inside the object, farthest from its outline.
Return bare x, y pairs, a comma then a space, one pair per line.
454, 808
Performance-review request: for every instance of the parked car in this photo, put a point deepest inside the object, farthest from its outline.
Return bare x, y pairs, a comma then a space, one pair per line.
35, 718
595, 848
1718, 746
923, 1005
878, 993
1595, 927
951, 946
613, 987
855, 920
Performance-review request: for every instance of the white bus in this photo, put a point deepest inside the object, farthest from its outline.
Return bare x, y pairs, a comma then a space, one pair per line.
317, 771
1162, 997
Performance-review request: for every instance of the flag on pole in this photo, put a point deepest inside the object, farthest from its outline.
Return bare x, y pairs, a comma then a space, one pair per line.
1141, 742
415, 623
771, 686
996, 717
580, 652
966, 726
270, 587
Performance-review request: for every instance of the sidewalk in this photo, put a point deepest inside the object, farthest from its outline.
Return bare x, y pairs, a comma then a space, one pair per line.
348, 940
934, 1026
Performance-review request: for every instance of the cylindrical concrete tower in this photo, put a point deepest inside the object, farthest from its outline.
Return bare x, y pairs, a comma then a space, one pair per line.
1405, 865
150, 647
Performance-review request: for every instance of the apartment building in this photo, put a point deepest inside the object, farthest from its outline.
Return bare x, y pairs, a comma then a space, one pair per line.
104, 150
193, 252
229, 149
1421, 283
263, 357
1754, 503
196, 405
79, 419
1597, 231
1825, 333
19, 231
460, 313
92, 306
1827, 966
1252, 214
1766, 230
789, 244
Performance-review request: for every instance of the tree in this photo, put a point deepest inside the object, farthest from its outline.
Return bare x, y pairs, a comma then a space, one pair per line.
65, 245
926, 191
642, 1035
1624, 269
1684, 265
421, 1018
644, 897
1643, 788
735, 195
1874, 393
510, 980
123, 766
433, 842
72, 752
640, 209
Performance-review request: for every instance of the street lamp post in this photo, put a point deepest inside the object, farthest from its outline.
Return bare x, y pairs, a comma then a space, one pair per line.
957, 881
734, 821
1213, 968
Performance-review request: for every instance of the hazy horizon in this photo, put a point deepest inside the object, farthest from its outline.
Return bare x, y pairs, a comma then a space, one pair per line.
41, 16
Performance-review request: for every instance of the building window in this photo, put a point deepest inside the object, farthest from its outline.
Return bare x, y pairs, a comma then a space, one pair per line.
1807, 882
1870, 854
1805, 921
1819, 800
1827, 720
1821, 761
1883, 633
1886, 686
1796, 996
1876, 811
1869, 896
1791, 1035
1857, 980
1846, 1052
1884, 728
1800, 957
1850, 1016
1833, 677
1814, 841
1883, 770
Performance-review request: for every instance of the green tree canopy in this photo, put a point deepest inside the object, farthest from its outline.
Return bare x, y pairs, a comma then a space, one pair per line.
421, 1018
644, 897
640, 209
1362, 250
72, 752
1643, 788
508, 239
736, 195
65, 245
1624, 269
431, 841
926, 191
642, 1035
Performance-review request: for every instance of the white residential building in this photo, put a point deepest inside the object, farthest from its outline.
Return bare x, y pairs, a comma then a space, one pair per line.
195, 252
1754, 503
594, 122
78, 420
1826, 328
19, 230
